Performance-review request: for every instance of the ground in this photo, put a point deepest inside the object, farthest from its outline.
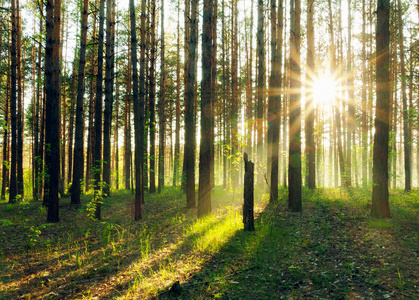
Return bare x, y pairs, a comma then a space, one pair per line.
333, 249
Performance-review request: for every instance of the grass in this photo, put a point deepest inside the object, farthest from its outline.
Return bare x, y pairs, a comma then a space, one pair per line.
332, 249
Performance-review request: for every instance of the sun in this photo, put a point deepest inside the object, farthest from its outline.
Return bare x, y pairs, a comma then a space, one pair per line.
324, 90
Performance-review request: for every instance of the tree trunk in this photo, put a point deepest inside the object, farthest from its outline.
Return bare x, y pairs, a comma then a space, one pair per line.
260, 86
248, 218
234, 117
109, 82
406, 130
13, 189
177, 126
380, 203
294, 169
52, 120
138, 101
162, 121
351, 101
204, 195
190, 81
78, 165
19, 148
310, 109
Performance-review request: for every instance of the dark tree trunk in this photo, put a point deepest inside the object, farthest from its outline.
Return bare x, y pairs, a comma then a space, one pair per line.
234, 116
177, 126
138, 101
189, 160
260, 86
248, 217
294, 169
162, 121
78, 166
380, 203
19, 148
13, 190
152, 100
204, 192
107, 114
310, 109
52, 118
71, 121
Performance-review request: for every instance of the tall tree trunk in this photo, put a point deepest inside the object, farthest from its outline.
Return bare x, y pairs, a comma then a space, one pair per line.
294, 169
380, 203
274, 105
19, 149
52, 120
189, 152
6, 144
127, 132
152, 99
260, 48
78, 165
406, 130
162, 121
249, 84
13, 189
98, 111
204, 192
177, 126
351, 100
109, 82
138, 101
234, 117
310, 109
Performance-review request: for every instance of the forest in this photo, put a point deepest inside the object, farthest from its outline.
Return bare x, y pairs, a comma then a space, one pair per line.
215, 149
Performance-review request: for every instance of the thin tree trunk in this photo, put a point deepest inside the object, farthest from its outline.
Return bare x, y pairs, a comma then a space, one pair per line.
78, 165
109, 82
294, 169
152, 99
20, 190
310, 109
189, 152
177, 126
13, 189
162, 121
406, 130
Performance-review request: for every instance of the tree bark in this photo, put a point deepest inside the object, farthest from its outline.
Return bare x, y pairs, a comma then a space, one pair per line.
162, 121
294, 169
204, 193
380, 203
189, 160
310, 109
248, 217
78, 165
52, 120
406, 130
109, 82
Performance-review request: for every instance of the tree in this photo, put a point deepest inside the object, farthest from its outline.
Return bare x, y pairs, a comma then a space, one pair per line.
98, 111
109, 83
406, 130
294, 168
162, 121
52, 120
138, 100
152, 99
189, 152
177, 126
310, 109
78, 165
260, 48
13, 192
204, 192
380, 204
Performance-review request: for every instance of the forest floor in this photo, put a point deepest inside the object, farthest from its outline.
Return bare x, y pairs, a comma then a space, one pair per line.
333, 249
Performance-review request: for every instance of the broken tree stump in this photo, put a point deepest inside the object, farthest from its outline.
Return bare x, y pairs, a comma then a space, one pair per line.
249, 174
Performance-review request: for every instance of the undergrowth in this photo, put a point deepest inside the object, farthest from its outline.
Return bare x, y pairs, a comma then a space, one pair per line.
332, 249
